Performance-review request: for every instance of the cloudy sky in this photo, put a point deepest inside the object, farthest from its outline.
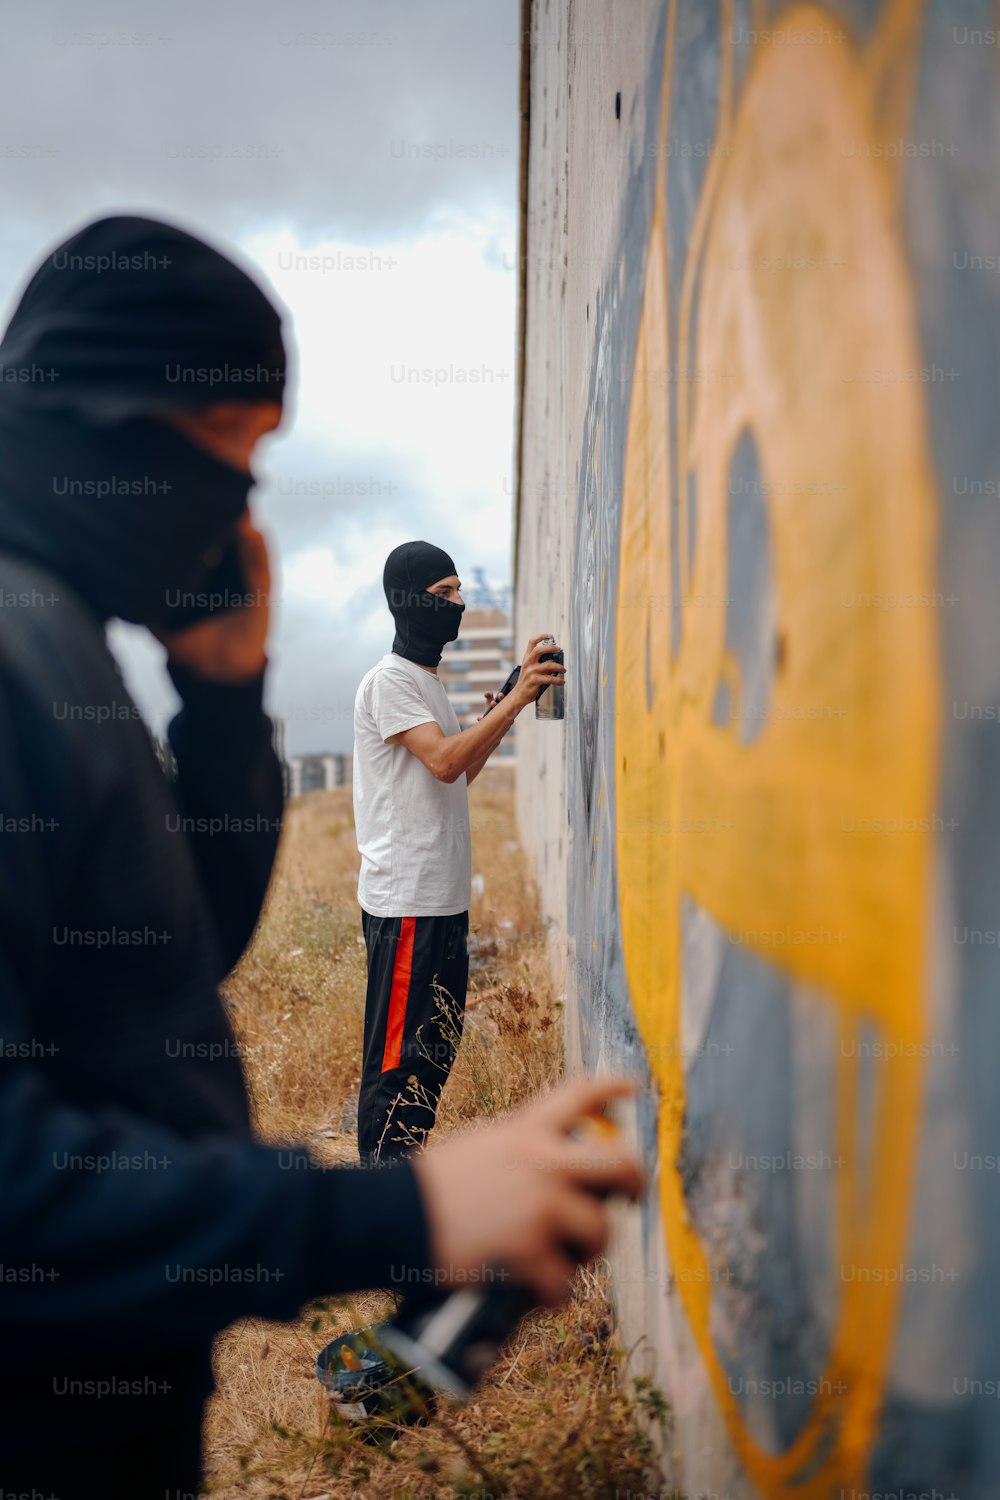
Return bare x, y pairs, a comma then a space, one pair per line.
362, 154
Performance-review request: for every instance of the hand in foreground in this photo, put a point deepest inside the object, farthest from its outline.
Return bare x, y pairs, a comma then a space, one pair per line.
229, 646
515, 1195
536, 674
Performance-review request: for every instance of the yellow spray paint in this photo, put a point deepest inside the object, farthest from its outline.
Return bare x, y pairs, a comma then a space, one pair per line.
851, 512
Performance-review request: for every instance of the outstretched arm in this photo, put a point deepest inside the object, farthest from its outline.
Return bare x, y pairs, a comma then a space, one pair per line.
449, 756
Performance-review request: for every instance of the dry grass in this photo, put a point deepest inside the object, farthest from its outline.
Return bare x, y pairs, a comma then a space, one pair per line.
554, 1418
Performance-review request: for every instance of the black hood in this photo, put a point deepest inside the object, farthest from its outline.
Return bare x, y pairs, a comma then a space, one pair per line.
128, 317
425, 622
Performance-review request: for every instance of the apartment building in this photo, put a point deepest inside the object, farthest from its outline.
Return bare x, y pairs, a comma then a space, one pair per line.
318, 773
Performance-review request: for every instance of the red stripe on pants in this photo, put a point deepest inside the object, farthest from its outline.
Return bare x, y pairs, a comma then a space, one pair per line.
402, 968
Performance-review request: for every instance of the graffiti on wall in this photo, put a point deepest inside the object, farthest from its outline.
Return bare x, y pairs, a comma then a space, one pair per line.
770, 792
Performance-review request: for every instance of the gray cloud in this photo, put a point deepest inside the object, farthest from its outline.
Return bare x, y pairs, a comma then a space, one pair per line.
361, 120
344, 118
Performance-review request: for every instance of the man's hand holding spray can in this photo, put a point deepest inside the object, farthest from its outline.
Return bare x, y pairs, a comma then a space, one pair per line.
513, 1209
541, 675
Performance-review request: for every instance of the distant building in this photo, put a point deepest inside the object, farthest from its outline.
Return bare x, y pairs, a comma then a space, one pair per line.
481, 594
479, 662
164, 754
318, 773
278, 735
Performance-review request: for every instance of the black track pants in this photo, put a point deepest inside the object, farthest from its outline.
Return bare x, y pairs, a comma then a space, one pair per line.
418, 972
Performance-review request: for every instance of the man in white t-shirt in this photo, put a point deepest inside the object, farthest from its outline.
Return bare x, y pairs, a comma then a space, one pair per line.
412, 767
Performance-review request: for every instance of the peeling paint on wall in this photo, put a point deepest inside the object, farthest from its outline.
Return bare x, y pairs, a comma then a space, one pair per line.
758, 440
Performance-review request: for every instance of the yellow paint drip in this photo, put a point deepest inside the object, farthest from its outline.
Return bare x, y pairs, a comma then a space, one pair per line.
851, 511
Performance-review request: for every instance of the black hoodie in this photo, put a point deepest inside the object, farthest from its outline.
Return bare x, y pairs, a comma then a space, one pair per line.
138, 1216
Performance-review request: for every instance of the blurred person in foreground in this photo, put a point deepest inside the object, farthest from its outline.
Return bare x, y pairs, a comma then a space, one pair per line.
138, 1215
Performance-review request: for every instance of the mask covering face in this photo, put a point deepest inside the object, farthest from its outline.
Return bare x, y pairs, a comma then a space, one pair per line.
132, 517
425, 622
92, 485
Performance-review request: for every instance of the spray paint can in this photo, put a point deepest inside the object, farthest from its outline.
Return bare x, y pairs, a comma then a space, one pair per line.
441, 1342
551, 701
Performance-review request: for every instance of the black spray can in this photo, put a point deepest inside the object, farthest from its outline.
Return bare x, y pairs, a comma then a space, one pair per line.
551, 701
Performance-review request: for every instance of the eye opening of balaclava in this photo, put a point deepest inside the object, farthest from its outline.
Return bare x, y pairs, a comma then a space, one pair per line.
128, 318
425, 622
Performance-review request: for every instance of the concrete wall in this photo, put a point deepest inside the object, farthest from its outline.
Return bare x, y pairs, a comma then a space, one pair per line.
759, 504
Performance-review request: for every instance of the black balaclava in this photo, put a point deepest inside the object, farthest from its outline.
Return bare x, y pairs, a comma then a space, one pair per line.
127, 318
425, 622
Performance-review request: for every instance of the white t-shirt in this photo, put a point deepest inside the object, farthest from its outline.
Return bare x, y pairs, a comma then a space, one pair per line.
412, 830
